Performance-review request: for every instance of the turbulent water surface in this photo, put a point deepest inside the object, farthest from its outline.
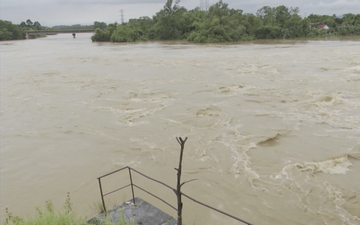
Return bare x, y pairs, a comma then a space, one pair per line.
274, 128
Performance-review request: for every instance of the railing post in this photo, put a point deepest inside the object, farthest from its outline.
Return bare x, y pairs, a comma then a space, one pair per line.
102, 196
132, 185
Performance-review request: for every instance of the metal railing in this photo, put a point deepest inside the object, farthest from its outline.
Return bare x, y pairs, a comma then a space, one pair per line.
132, 185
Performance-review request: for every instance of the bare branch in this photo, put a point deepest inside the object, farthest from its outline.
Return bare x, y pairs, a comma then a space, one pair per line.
179, 184
188, 181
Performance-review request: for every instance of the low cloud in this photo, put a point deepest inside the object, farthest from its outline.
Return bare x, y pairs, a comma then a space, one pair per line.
109, 2
335, 7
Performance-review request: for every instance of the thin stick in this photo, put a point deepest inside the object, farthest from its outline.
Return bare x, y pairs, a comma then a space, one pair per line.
178, 189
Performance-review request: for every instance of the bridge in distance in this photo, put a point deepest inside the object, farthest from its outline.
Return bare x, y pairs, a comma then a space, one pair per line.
53, 32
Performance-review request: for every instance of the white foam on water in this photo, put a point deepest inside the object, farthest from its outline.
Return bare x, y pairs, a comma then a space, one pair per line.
336, 165
317, 195
355, 69
333, 166
331, 100
130, 116
231, 109
242, 163
132, 110
336, 196
337, 110
353, 78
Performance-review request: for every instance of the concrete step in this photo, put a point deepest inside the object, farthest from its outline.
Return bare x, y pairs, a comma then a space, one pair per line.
142, 213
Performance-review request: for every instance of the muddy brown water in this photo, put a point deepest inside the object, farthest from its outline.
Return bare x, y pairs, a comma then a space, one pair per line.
274, 127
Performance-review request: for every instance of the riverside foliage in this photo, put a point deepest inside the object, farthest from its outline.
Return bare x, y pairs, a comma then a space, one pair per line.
10, 31
49, 216
223, 24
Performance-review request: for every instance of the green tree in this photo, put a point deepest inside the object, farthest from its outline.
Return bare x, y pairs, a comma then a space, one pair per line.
112, 27
37, 25
100, 25
168, 22
224, 24
269, 32
251, 24
23, 24
304, 27
126, 33
101, 35
5, 34
143, 25
267, 14
171, 7
221, 24
293, 26
9, 31
29, 22
282, 14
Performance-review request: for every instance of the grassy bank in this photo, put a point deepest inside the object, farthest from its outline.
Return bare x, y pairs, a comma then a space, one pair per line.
49, 216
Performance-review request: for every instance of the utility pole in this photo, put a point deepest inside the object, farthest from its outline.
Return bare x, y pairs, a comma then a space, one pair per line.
206, 5
122, 15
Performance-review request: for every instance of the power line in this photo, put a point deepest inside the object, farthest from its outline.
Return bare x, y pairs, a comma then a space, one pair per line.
201, 4
204, 5
122, 15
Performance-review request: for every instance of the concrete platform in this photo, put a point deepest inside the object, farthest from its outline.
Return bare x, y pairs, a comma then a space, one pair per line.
143, 213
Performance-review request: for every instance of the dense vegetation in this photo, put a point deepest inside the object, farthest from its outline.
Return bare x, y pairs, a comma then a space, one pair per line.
9, 31
50, 216
219, 24
222, 24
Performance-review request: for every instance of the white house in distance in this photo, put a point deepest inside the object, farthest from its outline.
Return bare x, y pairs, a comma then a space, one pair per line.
323, 26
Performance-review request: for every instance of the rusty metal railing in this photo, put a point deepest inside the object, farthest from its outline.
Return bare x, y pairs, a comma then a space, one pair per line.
132, 185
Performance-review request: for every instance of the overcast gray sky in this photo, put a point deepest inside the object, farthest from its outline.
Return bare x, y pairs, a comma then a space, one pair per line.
68, 12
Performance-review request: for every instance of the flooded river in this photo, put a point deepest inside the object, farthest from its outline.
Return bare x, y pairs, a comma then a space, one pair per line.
273, 128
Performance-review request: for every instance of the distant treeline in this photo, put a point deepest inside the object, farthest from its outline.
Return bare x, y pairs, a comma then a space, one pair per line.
218, 24
9, 31
222, 24
96, 24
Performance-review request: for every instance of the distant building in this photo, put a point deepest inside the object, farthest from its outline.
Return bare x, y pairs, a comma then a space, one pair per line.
323, 26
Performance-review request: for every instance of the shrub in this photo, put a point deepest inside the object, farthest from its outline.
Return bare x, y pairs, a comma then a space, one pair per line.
126, 33
47, 216
101, 35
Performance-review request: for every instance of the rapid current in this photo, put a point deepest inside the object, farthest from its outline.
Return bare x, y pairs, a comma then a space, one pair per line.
273, 127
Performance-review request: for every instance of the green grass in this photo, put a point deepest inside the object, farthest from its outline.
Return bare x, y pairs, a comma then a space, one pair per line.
98, 207
48, 216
